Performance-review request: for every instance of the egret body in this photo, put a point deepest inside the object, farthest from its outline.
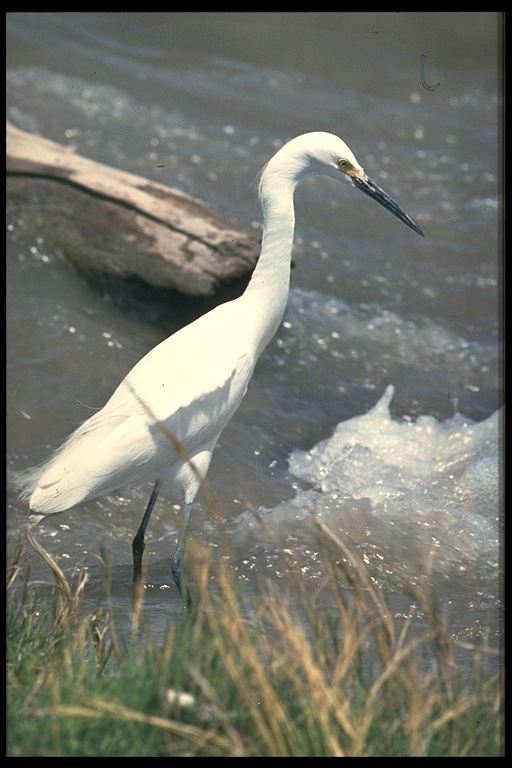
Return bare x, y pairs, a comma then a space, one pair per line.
190, 385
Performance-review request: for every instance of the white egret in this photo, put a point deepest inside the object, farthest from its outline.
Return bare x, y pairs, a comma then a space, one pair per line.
190, 385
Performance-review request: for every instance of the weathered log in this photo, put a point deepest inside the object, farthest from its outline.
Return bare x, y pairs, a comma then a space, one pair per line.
106, 220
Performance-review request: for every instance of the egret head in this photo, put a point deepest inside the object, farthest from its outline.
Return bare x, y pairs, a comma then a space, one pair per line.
334, 153
326, 154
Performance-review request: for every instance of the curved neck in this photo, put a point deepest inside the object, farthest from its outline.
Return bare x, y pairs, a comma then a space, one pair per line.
269, 285
267, 293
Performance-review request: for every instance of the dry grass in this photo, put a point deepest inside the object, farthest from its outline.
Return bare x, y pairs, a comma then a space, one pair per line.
280, 676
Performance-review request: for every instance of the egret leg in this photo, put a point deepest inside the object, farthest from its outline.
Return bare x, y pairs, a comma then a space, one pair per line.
178, 576
138, 543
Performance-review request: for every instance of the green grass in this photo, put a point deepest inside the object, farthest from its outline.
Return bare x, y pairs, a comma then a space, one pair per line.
293, 680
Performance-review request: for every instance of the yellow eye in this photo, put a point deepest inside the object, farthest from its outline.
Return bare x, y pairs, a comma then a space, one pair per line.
344, 165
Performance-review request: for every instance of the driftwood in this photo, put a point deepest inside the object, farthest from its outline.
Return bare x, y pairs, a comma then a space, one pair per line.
106, 220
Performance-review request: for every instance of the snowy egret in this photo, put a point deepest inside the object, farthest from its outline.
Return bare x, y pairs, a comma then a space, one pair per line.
190, 385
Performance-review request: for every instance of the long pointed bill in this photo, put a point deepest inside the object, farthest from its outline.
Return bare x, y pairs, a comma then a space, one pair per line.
372, 189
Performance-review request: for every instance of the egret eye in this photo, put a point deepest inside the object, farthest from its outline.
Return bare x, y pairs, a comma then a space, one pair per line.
344, 165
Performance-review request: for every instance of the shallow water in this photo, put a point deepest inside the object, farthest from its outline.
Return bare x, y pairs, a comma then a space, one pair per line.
210, 97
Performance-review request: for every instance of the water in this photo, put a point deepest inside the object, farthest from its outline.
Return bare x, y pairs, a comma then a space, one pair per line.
412, 479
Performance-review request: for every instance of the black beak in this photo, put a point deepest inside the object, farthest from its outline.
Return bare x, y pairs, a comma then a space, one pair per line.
372, 189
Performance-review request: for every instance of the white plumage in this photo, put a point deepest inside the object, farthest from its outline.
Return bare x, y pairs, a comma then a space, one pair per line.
191, 384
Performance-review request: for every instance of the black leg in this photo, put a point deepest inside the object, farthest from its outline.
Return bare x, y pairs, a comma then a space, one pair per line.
138, 542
